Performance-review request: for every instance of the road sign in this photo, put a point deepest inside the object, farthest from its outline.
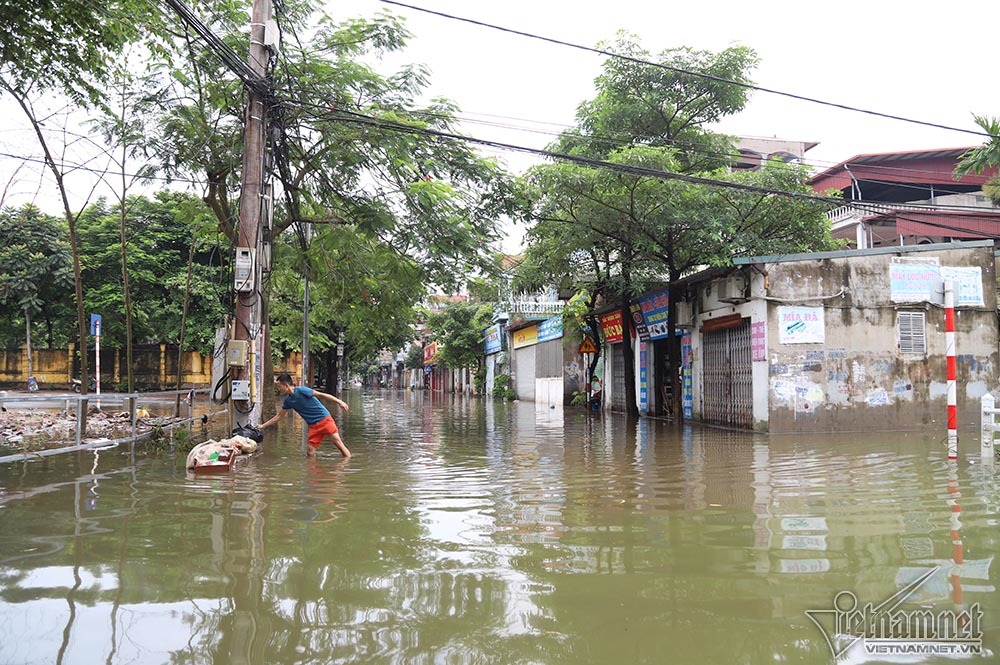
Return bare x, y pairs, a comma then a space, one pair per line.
587, 346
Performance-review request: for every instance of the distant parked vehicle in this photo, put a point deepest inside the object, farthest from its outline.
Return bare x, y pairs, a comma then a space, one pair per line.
91, 385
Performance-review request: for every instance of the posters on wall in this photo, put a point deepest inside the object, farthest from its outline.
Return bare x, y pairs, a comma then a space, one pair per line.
801, 325
687, 383
924, 282
758, 341
968, 285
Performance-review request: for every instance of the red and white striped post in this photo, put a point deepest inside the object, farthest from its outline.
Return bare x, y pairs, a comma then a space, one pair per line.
949, 345
957, 548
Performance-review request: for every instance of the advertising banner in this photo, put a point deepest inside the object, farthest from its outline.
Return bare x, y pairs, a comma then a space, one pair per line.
758, 341
687, 380
525, 337
429, 352
492, 339
801, 325
639, 323
611, 325
655, 309
924, 282
643, 379
550, 329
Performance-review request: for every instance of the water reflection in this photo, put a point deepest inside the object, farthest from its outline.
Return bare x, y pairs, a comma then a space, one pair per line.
472, 531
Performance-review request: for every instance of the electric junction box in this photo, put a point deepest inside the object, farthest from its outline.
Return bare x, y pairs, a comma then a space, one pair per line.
243, 273
236, 353
241, 390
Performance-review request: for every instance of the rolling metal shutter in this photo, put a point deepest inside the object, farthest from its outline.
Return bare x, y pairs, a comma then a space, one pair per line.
727, 388
617, 356
524, 373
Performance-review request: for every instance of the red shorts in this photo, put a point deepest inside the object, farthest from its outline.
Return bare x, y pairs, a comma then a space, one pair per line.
319, 431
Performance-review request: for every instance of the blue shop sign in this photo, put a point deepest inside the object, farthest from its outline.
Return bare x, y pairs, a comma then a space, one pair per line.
655, 310
493, 339
550, 329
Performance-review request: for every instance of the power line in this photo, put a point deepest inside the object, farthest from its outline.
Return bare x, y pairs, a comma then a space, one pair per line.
362, 119
100, 172
686, 72
359, 118
621, 139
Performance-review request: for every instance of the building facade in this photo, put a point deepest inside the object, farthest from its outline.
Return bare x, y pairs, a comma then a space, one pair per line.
845, 341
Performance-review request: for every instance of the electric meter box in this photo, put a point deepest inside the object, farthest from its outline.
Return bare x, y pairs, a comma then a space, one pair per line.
241, 390
243, 271
236, 353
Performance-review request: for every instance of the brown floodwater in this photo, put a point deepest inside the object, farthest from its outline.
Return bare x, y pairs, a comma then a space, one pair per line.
467, 531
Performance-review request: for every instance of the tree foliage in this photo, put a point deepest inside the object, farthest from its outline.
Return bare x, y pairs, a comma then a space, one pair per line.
985, 157
458, 329
66, 45
612, 231
36, 273
159, 232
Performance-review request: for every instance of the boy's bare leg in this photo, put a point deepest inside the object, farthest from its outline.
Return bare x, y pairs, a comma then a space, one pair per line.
340, 444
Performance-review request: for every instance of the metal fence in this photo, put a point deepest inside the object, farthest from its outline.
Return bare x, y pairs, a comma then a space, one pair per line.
187, 406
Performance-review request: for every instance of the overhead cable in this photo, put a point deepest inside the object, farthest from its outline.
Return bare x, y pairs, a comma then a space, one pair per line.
686, 72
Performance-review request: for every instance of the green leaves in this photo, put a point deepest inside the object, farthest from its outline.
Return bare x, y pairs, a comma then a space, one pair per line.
984, 157
458, 330
36, 269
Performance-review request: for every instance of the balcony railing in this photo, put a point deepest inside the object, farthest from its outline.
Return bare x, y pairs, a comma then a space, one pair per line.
852, 212
529, 307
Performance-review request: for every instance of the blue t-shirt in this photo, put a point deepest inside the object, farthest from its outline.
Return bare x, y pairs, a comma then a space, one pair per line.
306, 405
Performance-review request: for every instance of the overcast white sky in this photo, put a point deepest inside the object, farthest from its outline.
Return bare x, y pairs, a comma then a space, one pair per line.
931, 63
936, 64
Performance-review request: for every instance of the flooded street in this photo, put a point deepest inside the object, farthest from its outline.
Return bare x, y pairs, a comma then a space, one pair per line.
467, 531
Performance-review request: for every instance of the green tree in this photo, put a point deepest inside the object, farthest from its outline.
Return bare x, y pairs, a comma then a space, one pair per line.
160, 231
35, 266
458, 330
355, 158
985, 157
66, 45
644, 215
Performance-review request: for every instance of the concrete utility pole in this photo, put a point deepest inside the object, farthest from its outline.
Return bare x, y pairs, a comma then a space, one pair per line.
247, 326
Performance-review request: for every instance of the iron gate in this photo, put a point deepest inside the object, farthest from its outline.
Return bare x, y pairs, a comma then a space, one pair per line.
727, 386
617, 356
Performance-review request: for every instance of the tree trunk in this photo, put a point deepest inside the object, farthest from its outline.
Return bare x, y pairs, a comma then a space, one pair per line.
332, 371
126, 291
180, 341
628, 357
674, 357
73, 242
628, 352
27, 336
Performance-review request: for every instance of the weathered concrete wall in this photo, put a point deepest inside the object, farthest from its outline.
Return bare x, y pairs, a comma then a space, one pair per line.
154, 366
857, 379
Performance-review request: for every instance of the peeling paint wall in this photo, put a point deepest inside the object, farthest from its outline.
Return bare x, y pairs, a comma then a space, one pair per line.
849, 374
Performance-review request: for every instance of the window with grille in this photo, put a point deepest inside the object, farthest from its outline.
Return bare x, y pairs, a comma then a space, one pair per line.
911, 333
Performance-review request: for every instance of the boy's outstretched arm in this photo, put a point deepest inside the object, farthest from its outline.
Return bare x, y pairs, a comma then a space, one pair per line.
335, 400
274, 419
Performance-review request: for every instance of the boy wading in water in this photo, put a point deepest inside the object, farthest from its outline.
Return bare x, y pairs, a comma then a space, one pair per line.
304, 401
